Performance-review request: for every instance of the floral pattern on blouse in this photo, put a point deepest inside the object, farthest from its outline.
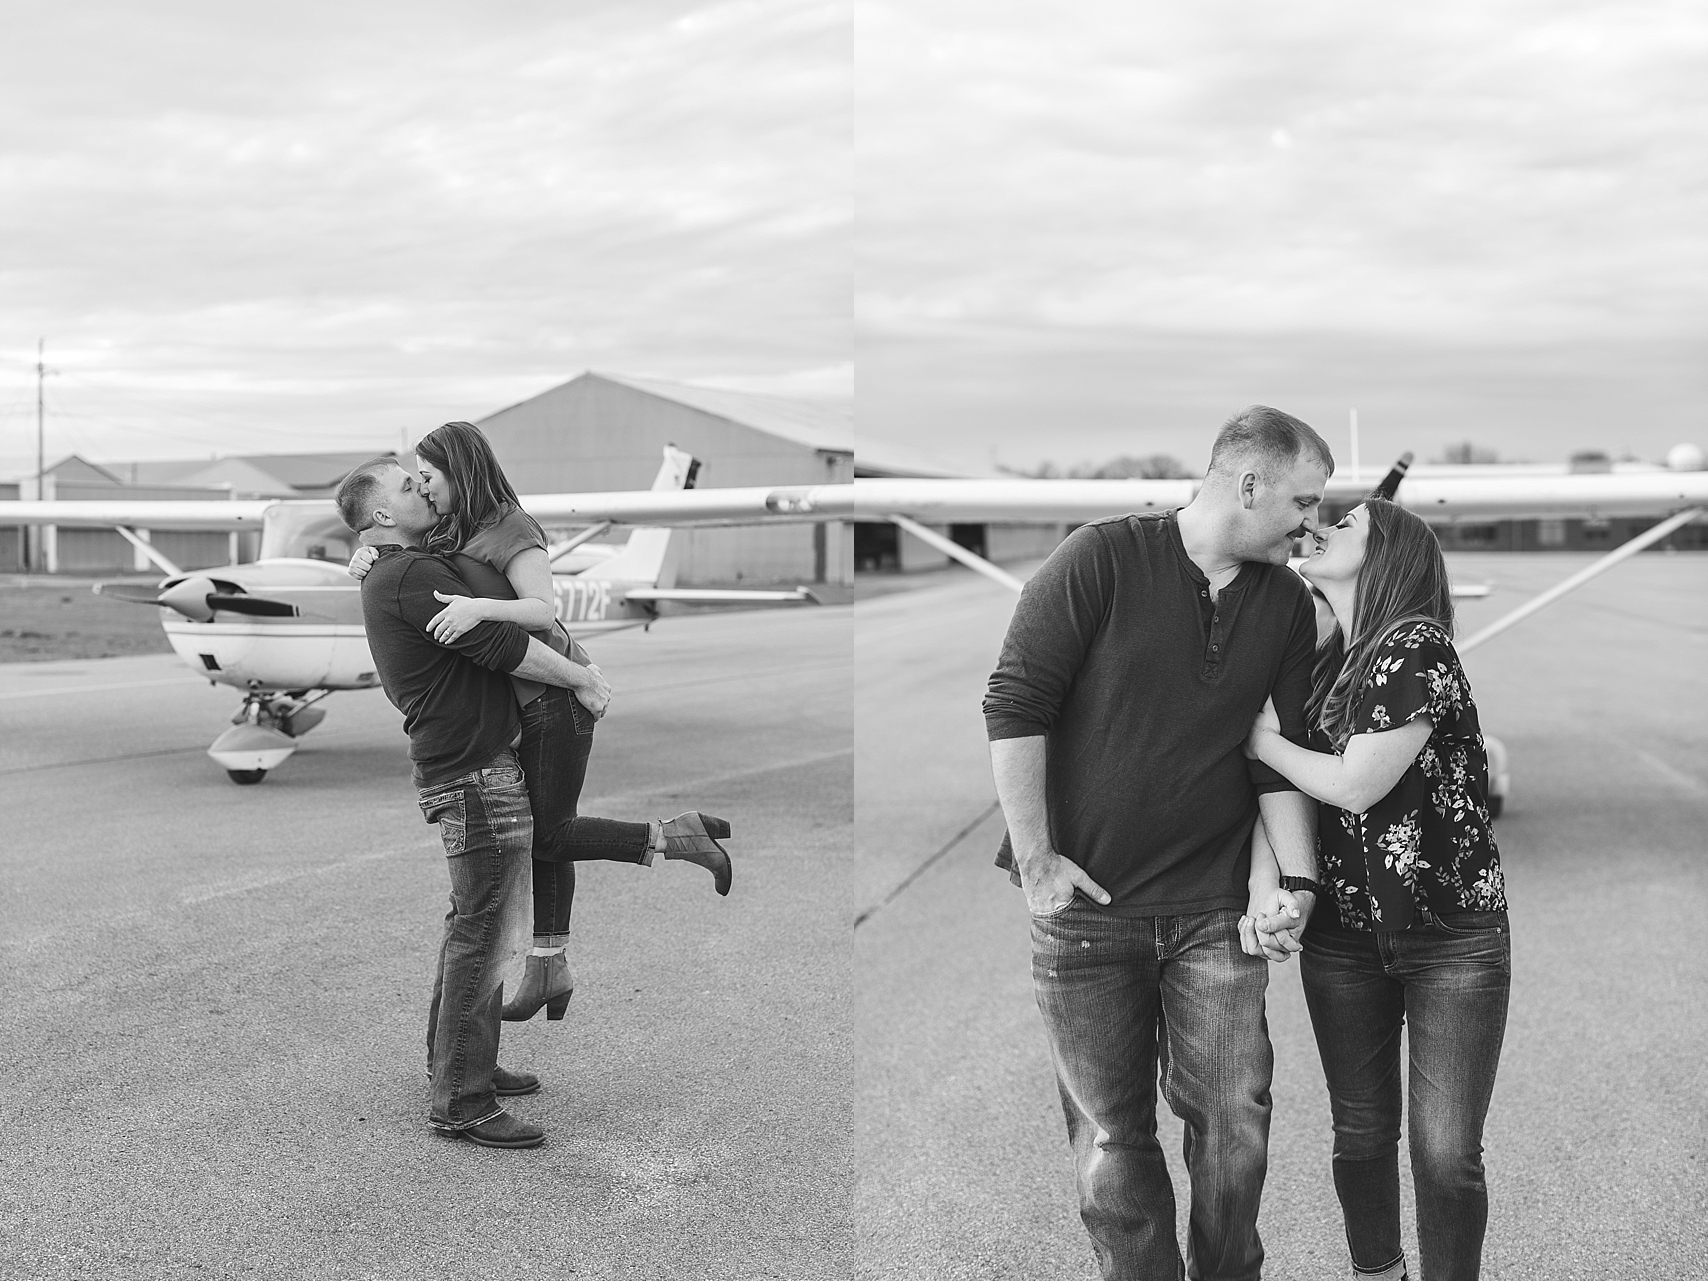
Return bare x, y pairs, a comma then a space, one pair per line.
1426, 847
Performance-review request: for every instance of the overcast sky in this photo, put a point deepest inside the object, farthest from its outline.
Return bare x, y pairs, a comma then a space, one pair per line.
1067, 231
318, 225
1100, 228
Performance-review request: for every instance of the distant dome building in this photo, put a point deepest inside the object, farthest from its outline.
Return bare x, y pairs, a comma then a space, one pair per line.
1685, 457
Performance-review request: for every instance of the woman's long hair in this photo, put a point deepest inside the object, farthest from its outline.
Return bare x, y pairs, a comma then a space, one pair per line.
483, 493
1402, 581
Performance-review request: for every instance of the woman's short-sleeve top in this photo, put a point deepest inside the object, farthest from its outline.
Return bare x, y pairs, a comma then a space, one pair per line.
497, 543
482, 561
1426, 847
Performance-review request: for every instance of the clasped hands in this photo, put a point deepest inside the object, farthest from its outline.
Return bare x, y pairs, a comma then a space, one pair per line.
1273, 923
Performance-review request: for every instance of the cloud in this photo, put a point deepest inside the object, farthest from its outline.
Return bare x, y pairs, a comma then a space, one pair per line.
1276, 166
289, 225
1444, 177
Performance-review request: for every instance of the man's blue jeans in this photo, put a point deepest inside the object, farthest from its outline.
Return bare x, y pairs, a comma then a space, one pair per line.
487, 832
1121, 998
1448, 983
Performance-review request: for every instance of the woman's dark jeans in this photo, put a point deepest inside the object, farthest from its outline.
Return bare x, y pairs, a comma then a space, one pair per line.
557, 738
1449, 983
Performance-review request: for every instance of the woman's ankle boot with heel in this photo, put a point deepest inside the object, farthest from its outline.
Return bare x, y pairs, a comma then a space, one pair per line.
546, 981
692, 837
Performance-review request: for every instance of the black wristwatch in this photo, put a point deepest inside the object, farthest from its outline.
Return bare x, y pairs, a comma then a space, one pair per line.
1294, 884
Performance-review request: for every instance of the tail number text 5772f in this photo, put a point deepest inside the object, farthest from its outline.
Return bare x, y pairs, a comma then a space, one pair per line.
582, 600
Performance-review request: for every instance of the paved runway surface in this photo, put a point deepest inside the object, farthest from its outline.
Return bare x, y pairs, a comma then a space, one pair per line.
1597, 1141
217, 994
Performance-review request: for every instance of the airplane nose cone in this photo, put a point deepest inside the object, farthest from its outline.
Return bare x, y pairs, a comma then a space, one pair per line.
190, 598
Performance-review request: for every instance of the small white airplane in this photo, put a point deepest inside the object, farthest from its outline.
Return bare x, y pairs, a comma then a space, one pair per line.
1678, 496
287, 629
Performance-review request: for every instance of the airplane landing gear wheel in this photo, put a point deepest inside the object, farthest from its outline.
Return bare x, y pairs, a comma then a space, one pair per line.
247, 775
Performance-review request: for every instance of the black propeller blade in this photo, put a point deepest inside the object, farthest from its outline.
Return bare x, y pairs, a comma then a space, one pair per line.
258, 606
1391, 482
198, 597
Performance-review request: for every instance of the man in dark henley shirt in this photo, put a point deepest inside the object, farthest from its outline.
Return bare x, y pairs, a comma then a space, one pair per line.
1136, 660
460, 713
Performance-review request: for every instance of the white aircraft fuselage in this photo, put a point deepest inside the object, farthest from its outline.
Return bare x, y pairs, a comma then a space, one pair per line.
324, 646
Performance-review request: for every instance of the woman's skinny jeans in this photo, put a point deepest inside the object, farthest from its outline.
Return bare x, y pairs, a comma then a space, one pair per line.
557, 738
1449, 983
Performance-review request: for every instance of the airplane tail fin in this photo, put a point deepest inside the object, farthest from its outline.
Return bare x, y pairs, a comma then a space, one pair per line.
650, 555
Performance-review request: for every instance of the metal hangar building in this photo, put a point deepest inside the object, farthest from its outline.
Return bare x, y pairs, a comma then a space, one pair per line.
605, 431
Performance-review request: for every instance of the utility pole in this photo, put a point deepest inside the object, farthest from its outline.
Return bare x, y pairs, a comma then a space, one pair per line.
39, 533
41, 377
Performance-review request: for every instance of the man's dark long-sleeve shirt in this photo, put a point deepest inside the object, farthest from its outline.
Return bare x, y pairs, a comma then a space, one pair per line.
1145, 689
457, 703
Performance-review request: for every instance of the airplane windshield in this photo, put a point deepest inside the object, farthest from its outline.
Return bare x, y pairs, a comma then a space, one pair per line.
307, 531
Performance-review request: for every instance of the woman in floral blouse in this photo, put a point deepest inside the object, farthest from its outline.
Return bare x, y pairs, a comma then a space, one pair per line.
1414, 927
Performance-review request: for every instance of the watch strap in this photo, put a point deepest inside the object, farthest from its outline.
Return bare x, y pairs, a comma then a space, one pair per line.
1295, 884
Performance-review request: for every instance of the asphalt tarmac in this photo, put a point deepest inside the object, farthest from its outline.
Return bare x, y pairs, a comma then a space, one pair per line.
1597, 1141
212, 1039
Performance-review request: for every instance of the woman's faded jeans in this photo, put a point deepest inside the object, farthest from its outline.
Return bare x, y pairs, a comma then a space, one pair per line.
1121, 998
1448, 983
487, 832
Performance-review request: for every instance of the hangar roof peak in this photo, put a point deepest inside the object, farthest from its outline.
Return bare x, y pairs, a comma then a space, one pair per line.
818, 424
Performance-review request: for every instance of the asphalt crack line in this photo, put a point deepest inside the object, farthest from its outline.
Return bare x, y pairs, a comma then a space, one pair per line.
343, 731
101, 760
589, 803
757, 674
919, 871
195, 895
97, 689
243, 885
1685, 783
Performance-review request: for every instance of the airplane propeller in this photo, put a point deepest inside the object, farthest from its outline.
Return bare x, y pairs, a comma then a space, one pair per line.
197, 597
1391, 482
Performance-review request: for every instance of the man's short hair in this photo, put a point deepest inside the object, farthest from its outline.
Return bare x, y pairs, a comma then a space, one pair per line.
1265, 441
359, 493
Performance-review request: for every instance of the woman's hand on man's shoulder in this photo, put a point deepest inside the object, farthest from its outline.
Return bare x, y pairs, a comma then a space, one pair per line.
363, 561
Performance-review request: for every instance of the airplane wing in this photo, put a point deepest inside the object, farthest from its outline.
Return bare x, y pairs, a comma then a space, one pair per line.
944, 501
754, 505
1554, 497
1476, 498
971, 501
107, 514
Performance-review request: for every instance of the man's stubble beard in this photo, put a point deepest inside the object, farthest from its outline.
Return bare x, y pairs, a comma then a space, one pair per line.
1269, 553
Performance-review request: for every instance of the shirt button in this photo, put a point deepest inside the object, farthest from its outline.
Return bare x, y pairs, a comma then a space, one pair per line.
1214, 648
1204, 593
